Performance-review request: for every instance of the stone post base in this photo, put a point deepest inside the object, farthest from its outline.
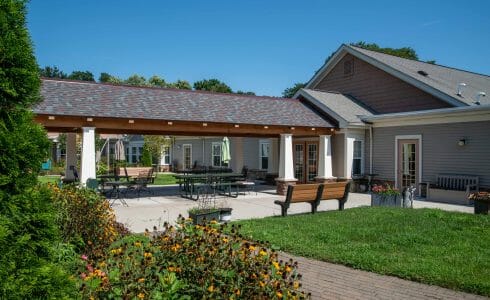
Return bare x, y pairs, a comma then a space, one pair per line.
282, 185
325, 179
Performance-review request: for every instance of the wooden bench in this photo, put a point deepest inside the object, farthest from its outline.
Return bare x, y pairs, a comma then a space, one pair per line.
452, 188
313, 194
133, 172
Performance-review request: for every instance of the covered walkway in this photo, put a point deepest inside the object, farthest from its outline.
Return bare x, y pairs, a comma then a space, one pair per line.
86, 108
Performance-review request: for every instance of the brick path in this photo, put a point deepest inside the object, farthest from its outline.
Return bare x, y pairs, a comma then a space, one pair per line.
331, 281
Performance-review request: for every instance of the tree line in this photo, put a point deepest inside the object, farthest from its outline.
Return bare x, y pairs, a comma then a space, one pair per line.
212, 85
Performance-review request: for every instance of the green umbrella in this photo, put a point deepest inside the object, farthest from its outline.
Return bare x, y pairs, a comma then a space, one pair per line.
225, 150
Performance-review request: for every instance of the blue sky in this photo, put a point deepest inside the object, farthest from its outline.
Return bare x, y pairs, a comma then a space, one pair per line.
261, 46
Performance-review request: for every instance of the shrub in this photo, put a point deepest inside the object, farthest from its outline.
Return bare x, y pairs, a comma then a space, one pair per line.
86, 220
387, 190
209, 262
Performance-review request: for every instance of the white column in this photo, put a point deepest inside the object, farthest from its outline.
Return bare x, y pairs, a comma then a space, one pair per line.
71, 155
325, 158
236, 154
88, 154
348, 155
286, 166
273, 156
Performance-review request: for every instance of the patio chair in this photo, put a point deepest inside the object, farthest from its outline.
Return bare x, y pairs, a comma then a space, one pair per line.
141, 182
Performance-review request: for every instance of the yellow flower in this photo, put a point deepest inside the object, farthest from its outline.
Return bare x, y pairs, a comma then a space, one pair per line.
138, 244
225, 240
141, 296
102, 264
147, 254
213, 222
288, 269
279, 294
296, 285
261, 283
211, 288
237, 292
141, 280
251, 248
262, 253
276, 265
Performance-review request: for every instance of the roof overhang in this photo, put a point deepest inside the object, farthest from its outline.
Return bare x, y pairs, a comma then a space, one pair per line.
345, 49
427, 117
64, 123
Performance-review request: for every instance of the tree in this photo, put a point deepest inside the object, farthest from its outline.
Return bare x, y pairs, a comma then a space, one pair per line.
245, 93
52, 72
181, 84
290, 92
157, 81
136, 80
404, 52
28, 232
82, 75
154, 144
104, 77
212, 85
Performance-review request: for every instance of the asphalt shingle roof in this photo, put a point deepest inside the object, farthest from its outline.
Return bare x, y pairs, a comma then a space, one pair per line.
344, 106
75, 98
444, 79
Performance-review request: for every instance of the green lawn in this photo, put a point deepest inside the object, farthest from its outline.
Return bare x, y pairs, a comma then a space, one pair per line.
48, 179
449, 249
164, 179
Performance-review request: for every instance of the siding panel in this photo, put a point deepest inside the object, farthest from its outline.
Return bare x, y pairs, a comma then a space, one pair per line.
379, 90
440, 152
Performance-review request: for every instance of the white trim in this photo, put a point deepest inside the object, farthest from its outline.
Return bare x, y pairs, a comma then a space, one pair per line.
183, 155
409, 137
436, 116
260, 154
344, 49
220, 154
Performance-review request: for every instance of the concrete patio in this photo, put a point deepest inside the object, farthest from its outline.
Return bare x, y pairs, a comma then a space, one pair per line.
166, 204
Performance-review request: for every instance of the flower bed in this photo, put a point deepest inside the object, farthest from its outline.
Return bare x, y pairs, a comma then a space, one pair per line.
194, 262
385, 195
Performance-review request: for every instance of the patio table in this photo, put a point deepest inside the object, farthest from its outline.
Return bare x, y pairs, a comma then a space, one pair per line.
191, 184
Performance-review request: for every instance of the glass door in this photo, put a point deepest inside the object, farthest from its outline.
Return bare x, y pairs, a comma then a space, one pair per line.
305, 161
187, 157
408, 168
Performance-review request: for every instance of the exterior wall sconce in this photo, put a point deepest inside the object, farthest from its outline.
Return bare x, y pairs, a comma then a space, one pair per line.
131, 121
265, 127
90, 119
236, 125
170, 123
292, 128
462, 142
51, 118
204, 124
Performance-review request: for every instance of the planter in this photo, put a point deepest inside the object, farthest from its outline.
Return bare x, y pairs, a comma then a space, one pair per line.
386, 200
203, 216
225, 214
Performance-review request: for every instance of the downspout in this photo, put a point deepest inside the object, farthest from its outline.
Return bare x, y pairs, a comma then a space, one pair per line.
370, 149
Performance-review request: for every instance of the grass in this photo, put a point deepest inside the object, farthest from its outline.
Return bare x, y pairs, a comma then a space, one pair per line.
432, 246
165, 179
48, 179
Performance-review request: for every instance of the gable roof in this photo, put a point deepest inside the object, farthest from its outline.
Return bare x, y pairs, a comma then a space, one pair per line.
441, 82
344, 109
79, 98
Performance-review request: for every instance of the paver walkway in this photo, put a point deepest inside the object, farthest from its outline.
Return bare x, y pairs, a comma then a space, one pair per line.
331, 281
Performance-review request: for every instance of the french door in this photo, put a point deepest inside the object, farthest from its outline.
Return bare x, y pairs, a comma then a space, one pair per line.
305, 156
408, 163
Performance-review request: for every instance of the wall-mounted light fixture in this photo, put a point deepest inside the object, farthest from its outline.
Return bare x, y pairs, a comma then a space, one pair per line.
462, 142
131, 121
51, 118
90, 119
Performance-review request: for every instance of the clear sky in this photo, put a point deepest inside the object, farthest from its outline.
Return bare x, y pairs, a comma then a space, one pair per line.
259, 45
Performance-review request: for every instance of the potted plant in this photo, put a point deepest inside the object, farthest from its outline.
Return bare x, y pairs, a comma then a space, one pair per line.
385, 196
203, 215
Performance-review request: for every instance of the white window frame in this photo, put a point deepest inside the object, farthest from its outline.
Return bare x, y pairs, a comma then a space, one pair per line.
183, 156
361, 157
166, 154
409, 137
268, 154
220, 154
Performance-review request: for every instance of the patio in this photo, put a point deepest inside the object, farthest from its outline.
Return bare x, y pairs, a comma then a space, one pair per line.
166, 204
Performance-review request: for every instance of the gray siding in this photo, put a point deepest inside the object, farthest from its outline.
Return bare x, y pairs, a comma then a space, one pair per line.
440, 152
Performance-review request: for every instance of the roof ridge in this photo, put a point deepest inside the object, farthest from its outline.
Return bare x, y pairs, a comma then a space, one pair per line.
416, 60
164, 88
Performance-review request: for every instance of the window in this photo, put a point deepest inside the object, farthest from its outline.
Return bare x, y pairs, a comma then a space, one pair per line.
264, 155
187, 157
216, 154
357, 159
166, 155
134, 155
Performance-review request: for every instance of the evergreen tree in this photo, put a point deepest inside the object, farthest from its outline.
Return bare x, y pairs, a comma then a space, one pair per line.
28, 233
